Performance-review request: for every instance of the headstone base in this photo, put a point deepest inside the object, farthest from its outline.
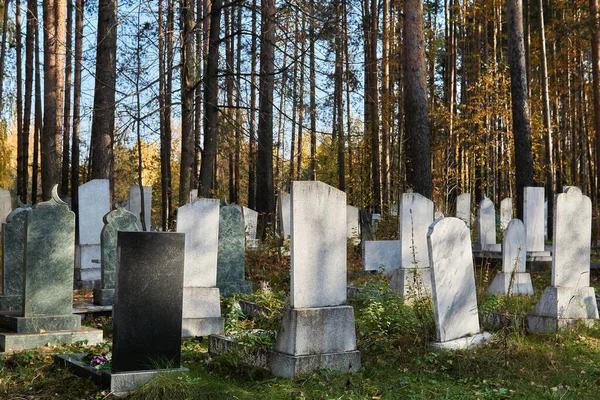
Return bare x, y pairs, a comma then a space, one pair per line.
201, 312
87, 274
11, 341
228, 288
492, 248
287, 366
39, 324
87, 262
520, 286
119, 383
10, 302
411, 283
89, 284
192, 327
560, 307
104, 297
463, 342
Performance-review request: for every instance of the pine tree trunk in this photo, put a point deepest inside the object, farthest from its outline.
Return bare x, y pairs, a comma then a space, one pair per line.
64, 186
252, 127
187, 100
77, 104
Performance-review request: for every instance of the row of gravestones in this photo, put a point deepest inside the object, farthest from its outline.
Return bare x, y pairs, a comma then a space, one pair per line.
94, 203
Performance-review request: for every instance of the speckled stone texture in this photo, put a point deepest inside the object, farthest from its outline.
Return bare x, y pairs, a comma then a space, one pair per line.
135, 204
148, 302
114, 221
231, 253
13, 246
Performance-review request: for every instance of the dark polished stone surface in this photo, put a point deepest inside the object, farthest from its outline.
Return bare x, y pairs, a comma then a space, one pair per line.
232, 246
13, 244
148, 301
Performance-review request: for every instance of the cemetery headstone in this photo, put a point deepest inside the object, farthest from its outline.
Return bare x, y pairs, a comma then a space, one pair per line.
506, 212
47, 303
193, 195
352, 222
533, 217
381, 255
284, 215
394, 209
365, 226
412, 279
251, 223
375, 220
118, 220
570, 298
94, 203
199, 220
5, 204
453, 286
230, 261
13, 246
513, 279
463, 208
486, 222
135, 204
318, 330
438, 215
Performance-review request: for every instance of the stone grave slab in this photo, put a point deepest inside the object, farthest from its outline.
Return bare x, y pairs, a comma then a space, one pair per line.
284, 215
135, 204
533, 217
463, 208
506, 212
231, 262
381, 255
13, 247
352, 222
486, 223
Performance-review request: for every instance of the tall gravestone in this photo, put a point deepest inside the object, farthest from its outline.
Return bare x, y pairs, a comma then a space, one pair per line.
412, 279
486, 223
533, 217
193, 195
13, 246
284, 215
318, 330
453, 285
118, 220
231, 264
5, 204
135, 204
199, 220
463, 208
47, 302
513, 279
570, 298
94, 203
506, 212
352, 222
251, 223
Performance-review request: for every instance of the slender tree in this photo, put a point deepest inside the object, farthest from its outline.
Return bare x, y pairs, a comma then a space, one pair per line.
64, 185
78, 60
187, 100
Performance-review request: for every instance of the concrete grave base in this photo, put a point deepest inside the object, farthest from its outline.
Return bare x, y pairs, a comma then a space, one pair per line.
119, 383
104, 297
36, 324
191, 327
228, 288
11, 341
560, 307
463, 342
520, 286
10, 302
288, 366
411, 283
201, 312
89, 284
491, 248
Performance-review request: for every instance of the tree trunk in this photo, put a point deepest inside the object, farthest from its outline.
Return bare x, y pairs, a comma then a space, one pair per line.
313, 95
252, 127
338, 123
187, 100
520, 107
21, 162
385, 106
103, 122
77, 104
596, 86
265, 196
29, 48
64, 186
418, 152
38, 125
165, 134
3, 52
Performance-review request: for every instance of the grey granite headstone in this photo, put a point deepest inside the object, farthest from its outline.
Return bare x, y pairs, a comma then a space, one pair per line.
231, 263
13, 247
318, 330
94, 203
570, 298
412, 279
381, 255
48, 271
148, 301
135, 204
463, 208
506, 212
352, 222
513, 279
199, 220
533, 217
486, 223
453, 285
119, 220
284, 215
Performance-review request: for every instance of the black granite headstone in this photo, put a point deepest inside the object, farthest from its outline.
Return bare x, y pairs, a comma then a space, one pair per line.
148, 301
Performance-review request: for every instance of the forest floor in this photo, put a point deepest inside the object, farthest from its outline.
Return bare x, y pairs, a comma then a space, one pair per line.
393, 337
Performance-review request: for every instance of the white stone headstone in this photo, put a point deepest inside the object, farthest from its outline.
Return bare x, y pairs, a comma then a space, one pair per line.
381, 255
318, 246
285, 215
135, 205
463, 208
193, 195
251, 222
416, 214
352, 222
533, 217
394, 209
438, 215
5, 204
199, 220
453, 280
486, 220
506, 212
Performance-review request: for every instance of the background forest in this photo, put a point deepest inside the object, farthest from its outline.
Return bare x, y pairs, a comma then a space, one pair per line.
239, 98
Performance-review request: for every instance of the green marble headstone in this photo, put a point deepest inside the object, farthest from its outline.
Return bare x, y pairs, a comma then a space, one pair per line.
13, 245
230, 261
119, 220
48, 270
